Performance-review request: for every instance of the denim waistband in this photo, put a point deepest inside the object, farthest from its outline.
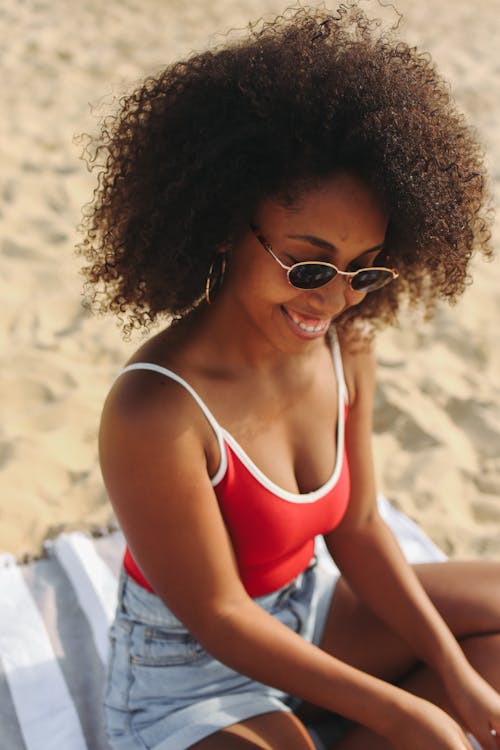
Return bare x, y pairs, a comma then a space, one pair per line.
138, 604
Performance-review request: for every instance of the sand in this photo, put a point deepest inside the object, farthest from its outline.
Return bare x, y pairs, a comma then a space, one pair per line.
437, 416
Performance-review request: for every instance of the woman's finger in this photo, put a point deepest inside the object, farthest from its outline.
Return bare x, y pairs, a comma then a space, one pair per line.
491, 740
495, 734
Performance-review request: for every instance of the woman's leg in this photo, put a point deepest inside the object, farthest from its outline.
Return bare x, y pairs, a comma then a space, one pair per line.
467, 594
277, 730
482, 651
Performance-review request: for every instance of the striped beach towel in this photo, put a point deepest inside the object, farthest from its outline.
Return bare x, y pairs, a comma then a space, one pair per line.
54, 620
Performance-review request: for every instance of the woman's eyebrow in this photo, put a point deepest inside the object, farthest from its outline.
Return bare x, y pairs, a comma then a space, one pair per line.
324, 245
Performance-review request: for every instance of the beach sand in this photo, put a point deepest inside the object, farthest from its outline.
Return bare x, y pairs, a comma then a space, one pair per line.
437, 415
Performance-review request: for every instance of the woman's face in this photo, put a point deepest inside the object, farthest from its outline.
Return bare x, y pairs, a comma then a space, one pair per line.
342, 222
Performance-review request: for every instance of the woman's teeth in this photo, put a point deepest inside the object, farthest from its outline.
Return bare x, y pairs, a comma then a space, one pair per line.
310, 327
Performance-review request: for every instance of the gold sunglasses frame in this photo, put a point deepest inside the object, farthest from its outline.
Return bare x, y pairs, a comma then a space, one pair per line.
347, 275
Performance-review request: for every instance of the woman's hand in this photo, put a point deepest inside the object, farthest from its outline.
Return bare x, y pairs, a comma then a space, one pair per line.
423, 726
476, 705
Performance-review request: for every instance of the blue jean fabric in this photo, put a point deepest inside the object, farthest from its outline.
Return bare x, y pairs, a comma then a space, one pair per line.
165, 692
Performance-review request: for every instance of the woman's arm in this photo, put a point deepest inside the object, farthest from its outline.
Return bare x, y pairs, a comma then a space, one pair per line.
378, 572
154, 462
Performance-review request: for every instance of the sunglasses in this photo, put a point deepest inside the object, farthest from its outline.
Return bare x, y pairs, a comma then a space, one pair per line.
313, 274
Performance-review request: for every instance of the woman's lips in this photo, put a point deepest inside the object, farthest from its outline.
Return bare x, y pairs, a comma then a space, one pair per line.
305, 325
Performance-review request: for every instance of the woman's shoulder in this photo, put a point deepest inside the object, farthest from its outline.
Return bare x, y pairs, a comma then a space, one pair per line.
358, 361
149, 397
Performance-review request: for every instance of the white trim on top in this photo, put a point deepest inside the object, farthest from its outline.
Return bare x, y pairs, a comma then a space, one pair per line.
339, 367
306, 497
223, 436
206, 411
297, 497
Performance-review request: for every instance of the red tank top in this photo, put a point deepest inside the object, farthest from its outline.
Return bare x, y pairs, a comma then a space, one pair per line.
272, 530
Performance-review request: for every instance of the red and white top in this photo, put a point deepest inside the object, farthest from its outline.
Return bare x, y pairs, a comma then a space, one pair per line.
272, 530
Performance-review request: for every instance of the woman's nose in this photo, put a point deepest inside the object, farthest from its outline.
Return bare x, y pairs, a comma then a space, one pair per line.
336, 296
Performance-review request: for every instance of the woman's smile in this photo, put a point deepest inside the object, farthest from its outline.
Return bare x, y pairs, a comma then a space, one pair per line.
306, 326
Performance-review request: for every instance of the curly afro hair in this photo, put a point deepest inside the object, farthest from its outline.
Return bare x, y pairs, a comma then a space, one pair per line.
191, 152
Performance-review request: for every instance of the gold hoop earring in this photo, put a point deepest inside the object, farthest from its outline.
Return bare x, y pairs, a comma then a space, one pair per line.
215, 276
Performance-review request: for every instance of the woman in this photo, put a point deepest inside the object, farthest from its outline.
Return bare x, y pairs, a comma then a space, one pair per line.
280, 198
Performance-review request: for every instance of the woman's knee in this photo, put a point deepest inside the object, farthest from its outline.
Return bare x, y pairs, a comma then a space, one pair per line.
466, 593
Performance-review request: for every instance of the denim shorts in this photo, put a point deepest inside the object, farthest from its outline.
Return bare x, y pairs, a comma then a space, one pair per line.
165, 692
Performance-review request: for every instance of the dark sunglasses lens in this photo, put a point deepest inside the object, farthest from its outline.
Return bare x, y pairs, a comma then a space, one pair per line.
371, 279
311, 275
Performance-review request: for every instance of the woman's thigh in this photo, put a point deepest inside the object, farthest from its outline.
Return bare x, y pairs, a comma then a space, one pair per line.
277, 730
465, 593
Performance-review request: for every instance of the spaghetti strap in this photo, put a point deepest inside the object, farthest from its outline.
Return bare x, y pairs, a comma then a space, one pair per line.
221, 434
339, 368
206, 411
